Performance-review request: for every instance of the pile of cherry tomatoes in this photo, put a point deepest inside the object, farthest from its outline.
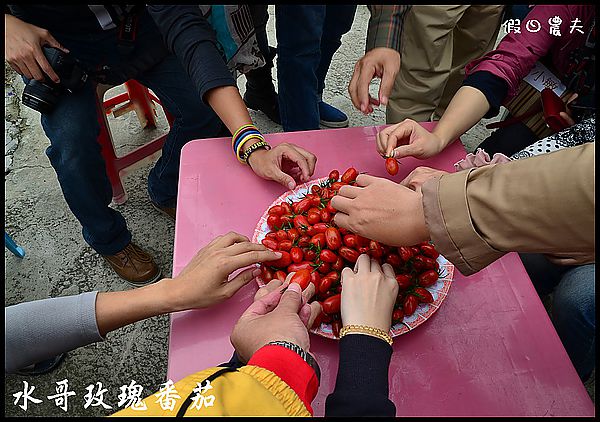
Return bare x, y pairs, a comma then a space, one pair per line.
317, 250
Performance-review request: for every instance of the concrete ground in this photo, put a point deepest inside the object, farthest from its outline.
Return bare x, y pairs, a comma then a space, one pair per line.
59, 262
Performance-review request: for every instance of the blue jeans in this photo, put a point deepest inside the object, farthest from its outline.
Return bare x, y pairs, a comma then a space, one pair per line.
307, 38
573, 306
72, 128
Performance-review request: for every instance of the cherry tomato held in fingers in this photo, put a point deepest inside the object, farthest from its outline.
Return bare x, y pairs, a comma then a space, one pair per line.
333, 238
266, 274
391, 166
410, 305
282, 262
428, 278
348, 254
279, 275
403, 281
423, 294
296, 254
349, 175
397, 315
328, 256
301, 277
270, 243
331, 305
334, 175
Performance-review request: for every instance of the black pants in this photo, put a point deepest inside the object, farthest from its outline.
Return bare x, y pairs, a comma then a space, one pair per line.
509, 140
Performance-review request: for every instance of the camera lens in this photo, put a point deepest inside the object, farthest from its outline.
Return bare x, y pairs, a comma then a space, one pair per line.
40, 96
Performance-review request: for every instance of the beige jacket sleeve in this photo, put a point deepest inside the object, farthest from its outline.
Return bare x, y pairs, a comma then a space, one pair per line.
543, 204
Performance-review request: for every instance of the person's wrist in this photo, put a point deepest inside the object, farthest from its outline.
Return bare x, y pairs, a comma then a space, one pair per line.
256, 156
171, 295
441, 138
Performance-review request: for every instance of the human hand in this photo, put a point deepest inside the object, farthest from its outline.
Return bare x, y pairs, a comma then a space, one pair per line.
23, 49
381, 62
369, 294
567, 115
382, 210
420, 175
276, 316
408, 138
204, 280
285, 164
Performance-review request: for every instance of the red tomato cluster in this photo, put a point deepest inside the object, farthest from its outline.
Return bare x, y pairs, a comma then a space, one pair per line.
317, 250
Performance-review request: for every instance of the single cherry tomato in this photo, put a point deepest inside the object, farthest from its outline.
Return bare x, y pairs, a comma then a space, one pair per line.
330, 208
280, 275
324, 267
348, 254
326, 283
393, 259
334, 175
302, 206
319, 319
334, 276
423, 294
336, 326
428, 278
316, 201
405, 253
391, 166
285, 245
328, 256
310, 255
318, 240
362, 250
424, 262
338, 265
287, 208
350, 241
313, 217
415, 250
302, 277
311, 231
273, 221
349, 175
296, 254
300, 221
315, 278
362, 241
325, 215
266, 274
321, 227
404, 281
332, 304
304, 265
271, 235
410, 305
270, 243
293, 234
303, 241
316, 189
281, 235
397, 315
333, 238
337, 185
429, 251
286, 220
276, 210
282, 262
375, 249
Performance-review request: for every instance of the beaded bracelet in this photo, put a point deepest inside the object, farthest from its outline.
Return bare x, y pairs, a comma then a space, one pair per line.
254, 147
363, 329
244, 140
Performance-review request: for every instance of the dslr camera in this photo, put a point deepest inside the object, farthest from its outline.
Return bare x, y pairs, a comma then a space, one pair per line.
43, 96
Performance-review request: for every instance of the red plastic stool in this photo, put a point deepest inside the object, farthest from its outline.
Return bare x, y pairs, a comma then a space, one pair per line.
139, 99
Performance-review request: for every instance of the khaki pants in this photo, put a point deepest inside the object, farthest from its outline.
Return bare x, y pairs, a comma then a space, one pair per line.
437, 43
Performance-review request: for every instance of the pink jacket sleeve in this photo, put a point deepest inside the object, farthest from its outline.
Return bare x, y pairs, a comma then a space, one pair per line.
518, 52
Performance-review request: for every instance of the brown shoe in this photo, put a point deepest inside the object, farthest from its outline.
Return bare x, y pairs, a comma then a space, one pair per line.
168, 211
134, 266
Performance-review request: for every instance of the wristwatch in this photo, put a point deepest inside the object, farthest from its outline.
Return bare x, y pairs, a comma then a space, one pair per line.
303, 354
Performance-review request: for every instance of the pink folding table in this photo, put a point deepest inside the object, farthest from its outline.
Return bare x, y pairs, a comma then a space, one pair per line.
490, 350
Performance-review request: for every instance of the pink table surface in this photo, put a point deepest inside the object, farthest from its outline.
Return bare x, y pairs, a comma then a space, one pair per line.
490, 349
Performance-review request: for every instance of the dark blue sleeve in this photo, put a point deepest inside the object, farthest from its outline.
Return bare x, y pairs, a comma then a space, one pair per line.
191, 38
361, 387
493, 87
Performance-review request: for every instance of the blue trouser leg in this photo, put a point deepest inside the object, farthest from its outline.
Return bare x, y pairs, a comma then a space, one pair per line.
74, 152
574, 316
193, 120
338, 21
299, 29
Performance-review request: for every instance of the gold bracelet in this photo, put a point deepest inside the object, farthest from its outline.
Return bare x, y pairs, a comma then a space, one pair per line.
363, 329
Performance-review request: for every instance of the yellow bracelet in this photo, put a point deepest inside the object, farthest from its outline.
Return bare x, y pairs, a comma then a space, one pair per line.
242, 128
363, 329
241, 145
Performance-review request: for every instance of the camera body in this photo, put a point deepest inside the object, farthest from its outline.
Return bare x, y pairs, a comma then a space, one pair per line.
43, 96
